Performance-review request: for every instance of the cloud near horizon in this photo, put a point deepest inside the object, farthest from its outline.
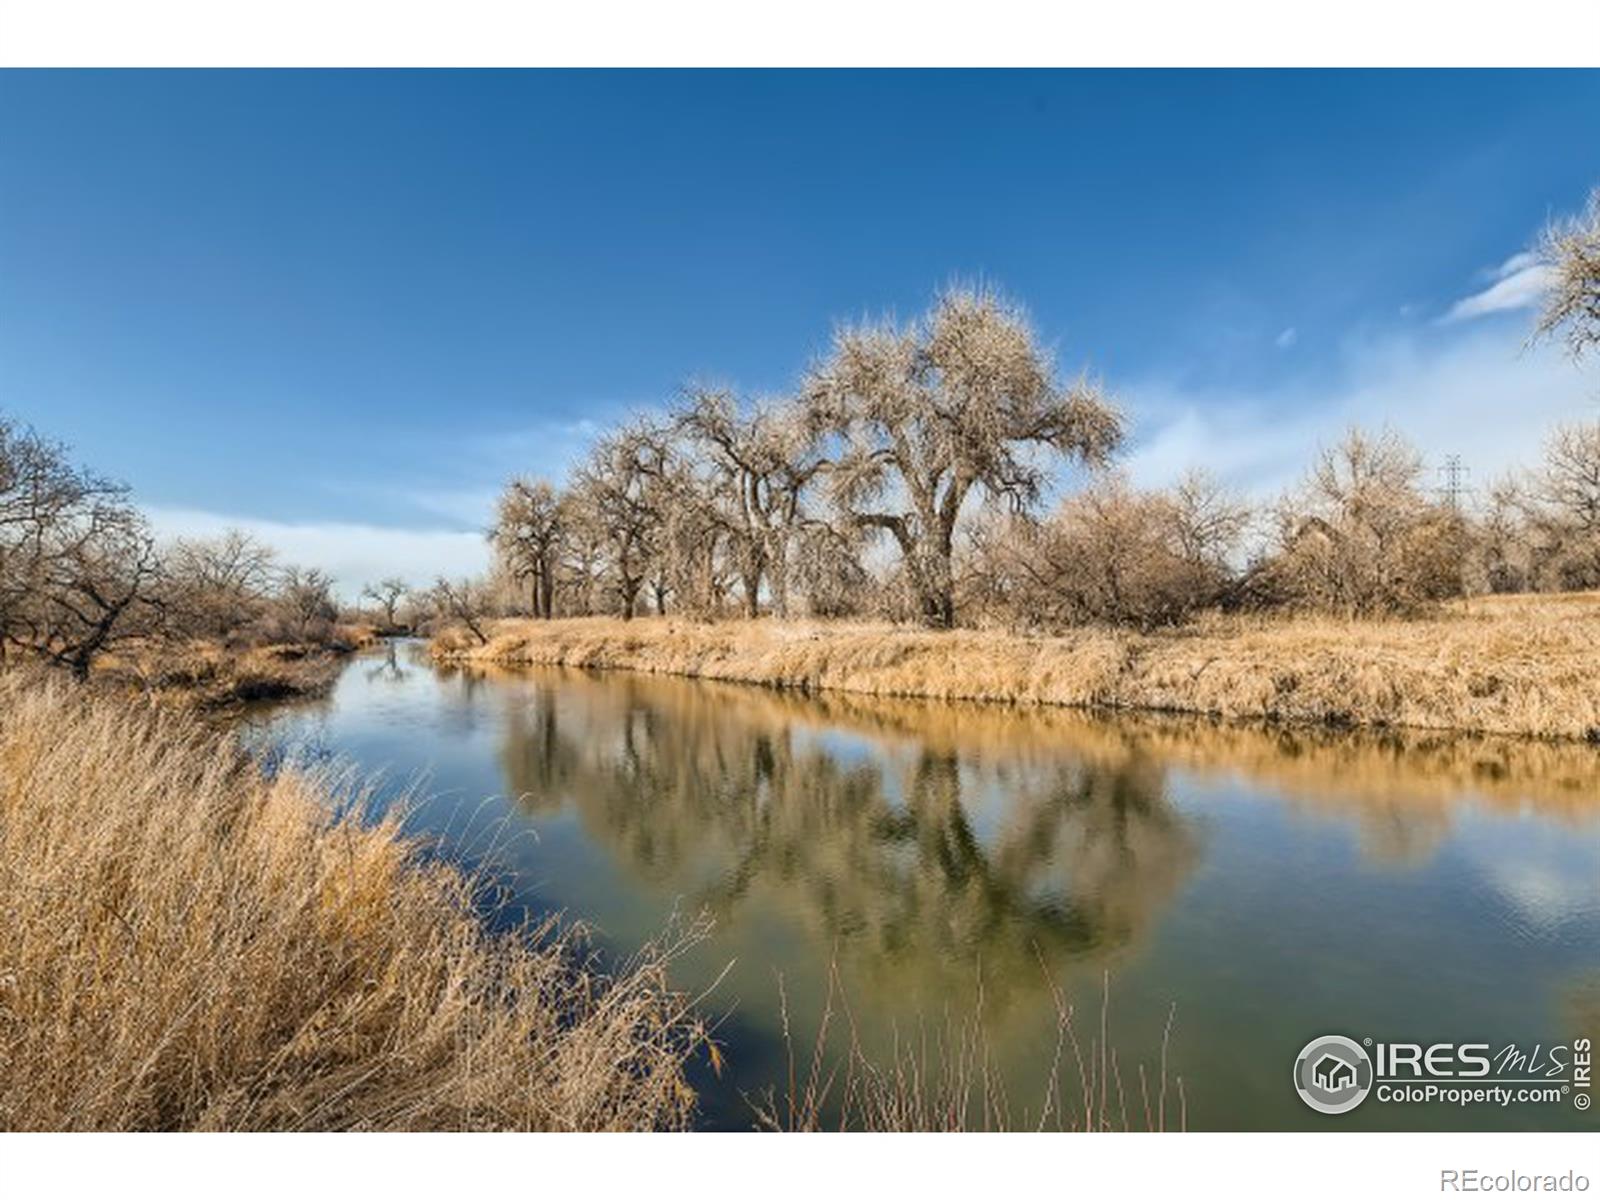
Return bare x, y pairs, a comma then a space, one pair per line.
1519, 282
1482, 394
354, 554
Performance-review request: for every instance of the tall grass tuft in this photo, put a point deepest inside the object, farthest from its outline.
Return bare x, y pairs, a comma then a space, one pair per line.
188, 943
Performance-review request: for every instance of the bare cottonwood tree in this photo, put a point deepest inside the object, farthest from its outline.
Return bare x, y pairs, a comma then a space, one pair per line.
695, 544
1570, 252
580, 571
620, 490
530, 523
1569, 479
762, 458
920, 416
94, 589
1503, 558
827, 570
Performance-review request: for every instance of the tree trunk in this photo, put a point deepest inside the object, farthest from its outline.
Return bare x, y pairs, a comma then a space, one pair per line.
778, 572
937, 593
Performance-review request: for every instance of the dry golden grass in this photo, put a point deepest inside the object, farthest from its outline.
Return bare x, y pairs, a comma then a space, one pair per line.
186, 943
1506, 665
204, 673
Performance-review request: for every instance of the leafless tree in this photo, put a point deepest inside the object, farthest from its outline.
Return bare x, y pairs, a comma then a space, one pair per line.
1569, 479
1570, 252
763, 458
530, 523
1111, 554
1505, 551
620, 491
919, 416
77, 561
388, 594
1360, 537
1205, 520
90, 593
696, 544
1554, 513
828, 573
581, 569
302, 608
215, 587
465, 601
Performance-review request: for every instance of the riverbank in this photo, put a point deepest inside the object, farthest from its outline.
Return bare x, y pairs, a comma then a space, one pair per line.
192, 943
1519, 665
206, 674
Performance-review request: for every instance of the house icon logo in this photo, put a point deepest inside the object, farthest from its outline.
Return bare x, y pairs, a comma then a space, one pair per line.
1333, 1074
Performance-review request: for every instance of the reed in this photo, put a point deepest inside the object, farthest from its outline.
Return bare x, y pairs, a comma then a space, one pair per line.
187, 942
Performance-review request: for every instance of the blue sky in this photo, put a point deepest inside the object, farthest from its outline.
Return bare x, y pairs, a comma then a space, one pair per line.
340, 308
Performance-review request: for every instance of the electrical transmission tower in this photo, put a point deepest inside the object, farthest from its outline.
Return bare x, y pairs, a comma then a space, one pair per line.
1455, 481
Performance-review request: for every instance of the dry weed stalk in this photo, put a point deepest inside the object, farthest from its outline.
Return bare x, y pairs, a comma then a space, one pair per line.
945, 1079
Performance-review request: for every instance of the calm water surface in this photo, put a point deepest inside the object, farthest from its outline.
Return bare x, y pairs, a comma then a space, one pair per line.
1258, 887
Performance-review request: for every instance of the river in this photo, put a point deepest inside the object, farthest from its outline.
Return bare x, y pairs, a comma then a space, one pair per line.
1216, 896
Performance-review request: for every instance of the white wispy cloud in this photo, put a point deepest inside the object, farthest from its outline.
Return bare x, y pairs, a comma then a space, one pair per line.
1287, 338
352, 553
1519, 282
472, 506
1480, 394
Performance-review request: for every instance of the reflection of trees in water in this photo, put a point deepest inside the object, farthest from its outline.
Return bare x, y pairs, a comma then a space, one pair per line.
384, 667
540, 763
1401, 789
909, 851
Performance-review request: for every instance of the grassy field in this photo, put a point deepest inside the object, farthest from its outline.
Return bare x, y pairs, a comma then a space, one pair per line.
1523, 665
187, 943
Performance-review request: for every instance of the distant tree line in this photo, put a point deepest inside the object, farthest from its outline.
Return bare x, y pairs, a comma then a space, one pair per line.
903, 480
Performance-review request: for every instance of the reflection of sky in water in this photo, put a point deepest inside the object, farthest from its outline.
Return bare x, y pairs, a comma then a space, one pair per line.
1271, 887
1549, 877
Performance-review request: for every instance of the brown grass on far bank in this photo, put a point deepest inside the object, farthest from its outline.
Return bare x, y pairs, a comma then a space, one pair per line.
186, 943
1523, 665
204, 673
